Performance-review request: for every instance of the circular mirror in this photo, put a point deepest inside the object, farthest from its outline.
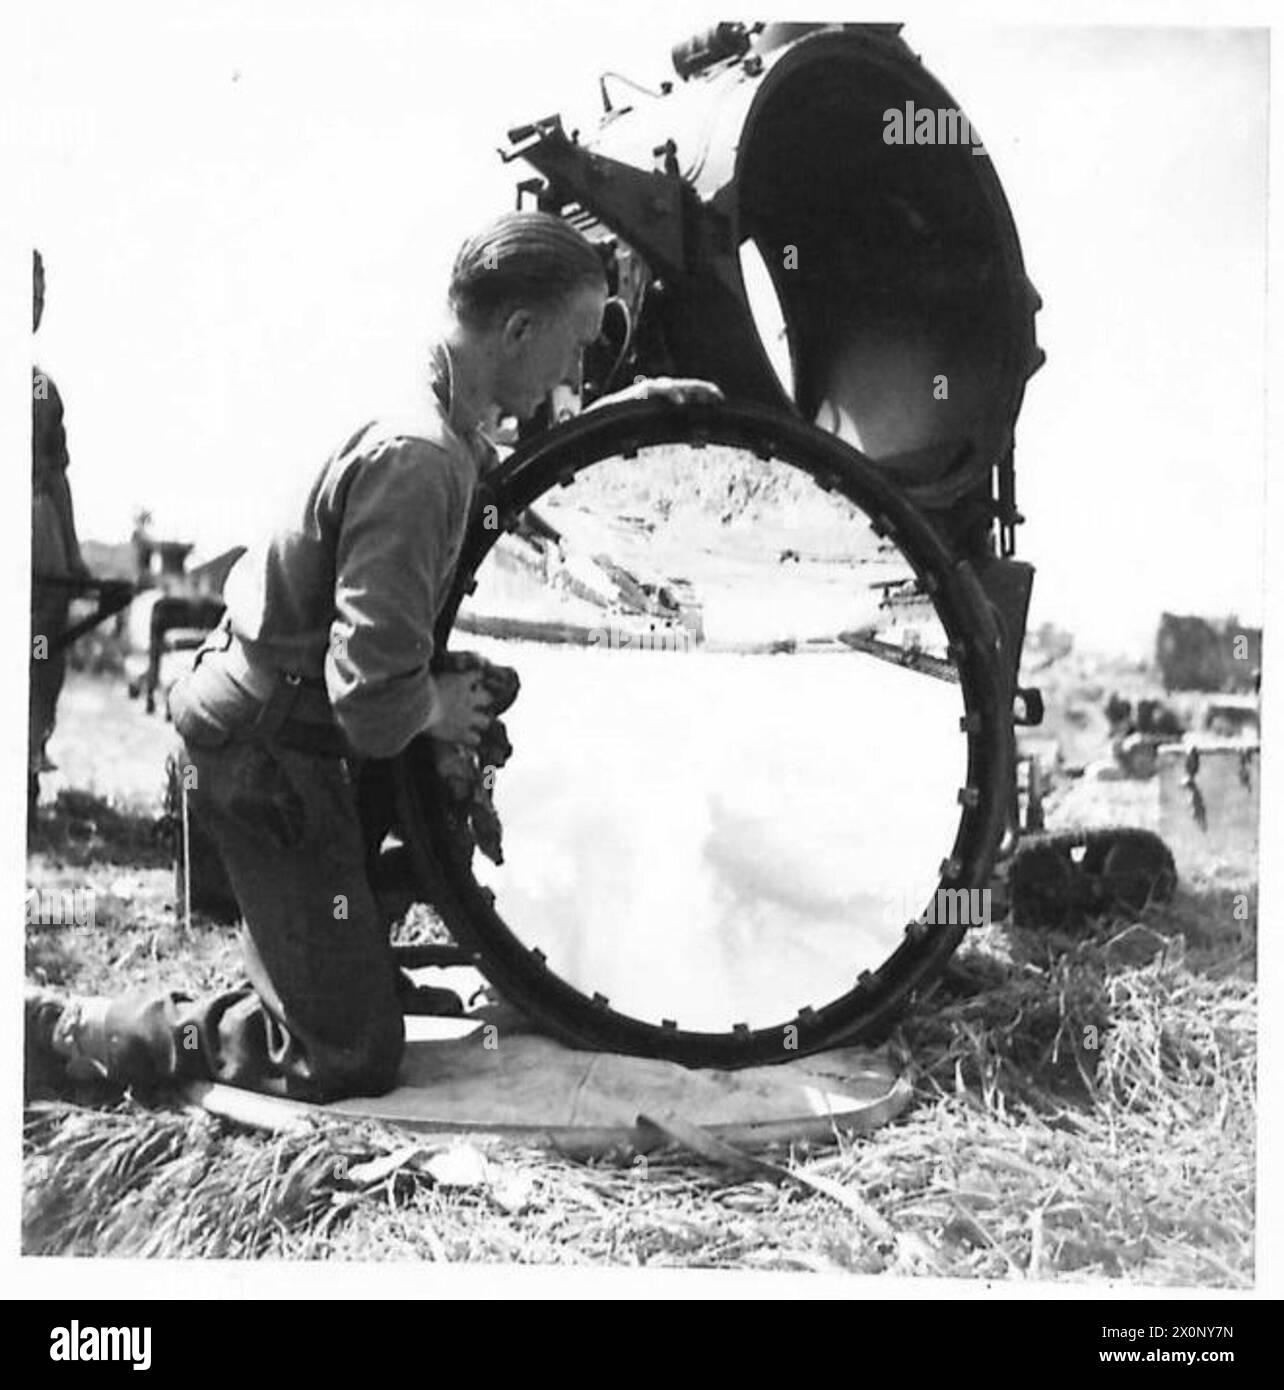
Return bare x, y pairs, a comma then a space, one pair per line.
742, 749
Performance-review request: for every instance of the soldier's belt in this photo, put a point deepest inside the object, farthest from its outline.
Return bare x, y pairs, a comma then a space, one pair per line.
309, 702
295, 711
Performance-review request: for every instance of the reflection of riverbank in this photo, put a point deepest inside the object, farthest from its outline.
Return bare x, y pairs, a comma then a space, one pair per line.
729, 602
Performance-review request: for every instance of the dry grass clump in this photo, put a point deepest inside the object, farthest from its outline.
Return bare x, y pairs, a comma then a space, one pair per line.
1084, 1110
130, 1181
1095, 1115
81, 828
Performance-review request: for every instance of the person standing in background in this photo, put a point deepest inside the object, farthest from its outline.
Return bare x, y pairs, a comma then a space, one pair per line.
56, 562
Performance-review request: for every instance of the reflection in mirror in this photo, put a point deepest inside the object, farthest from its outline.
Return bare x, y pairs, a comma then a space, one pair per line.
737, 745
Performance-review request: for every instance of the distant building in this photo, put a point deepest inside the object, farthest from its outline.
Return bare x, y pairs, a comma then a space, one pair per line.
111, 560
162, 564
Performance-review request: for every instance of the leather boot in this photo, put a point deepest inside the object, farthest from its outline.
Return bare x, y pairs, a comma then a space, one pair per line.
67, 1034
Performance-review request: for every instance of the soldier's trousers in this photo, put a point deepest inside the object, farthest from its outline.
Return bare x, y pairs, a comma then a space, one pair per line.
47, 669
320, 1016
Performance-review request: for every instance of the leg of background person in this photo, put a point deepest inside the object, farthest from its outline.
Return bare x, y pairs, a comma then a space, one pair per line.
45, 671
48, 668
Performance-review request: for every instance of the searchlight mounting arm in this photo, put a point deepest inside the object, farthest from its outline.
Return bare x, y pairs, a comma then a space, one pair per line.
654, 205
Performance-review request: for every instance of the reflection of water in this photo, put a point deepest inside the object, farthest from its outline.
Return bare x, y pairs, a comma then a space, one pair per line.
717, 838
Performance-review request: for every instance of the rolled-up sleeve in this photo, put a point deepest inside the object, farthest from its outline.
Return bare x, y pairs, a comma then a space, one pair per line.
400, 530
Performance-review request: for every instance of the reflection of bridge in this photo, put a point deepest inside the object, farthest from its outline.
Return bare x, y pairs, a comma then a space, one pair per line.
911, 656
545, 586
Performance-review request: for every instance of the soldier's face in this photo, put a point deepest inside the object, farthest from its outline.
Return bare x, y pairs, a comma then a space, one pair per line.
541, 350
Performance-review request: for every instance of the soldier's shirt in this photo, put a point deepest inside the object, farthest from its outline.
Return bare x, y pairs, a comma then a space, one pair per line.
349, 589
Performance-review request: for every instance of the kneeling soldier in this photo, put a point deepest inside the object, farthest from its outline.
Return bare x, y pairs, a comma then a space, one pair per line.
323, 660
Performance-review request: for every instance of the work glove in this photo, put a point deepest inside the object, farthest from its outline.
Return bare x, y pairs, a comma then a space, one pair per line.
468, 774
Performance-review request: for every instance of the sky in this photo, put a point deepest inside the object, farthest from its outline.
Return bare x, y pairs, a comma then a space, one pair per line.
248, 219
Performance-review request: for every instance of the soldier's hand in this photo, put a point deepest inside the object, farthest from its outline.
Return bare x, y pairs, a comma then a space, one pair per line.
461, 709
679, 390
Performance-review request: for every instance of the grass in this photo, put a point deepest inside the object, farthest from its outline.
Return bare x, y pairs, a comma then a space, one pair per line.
1084, 1110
